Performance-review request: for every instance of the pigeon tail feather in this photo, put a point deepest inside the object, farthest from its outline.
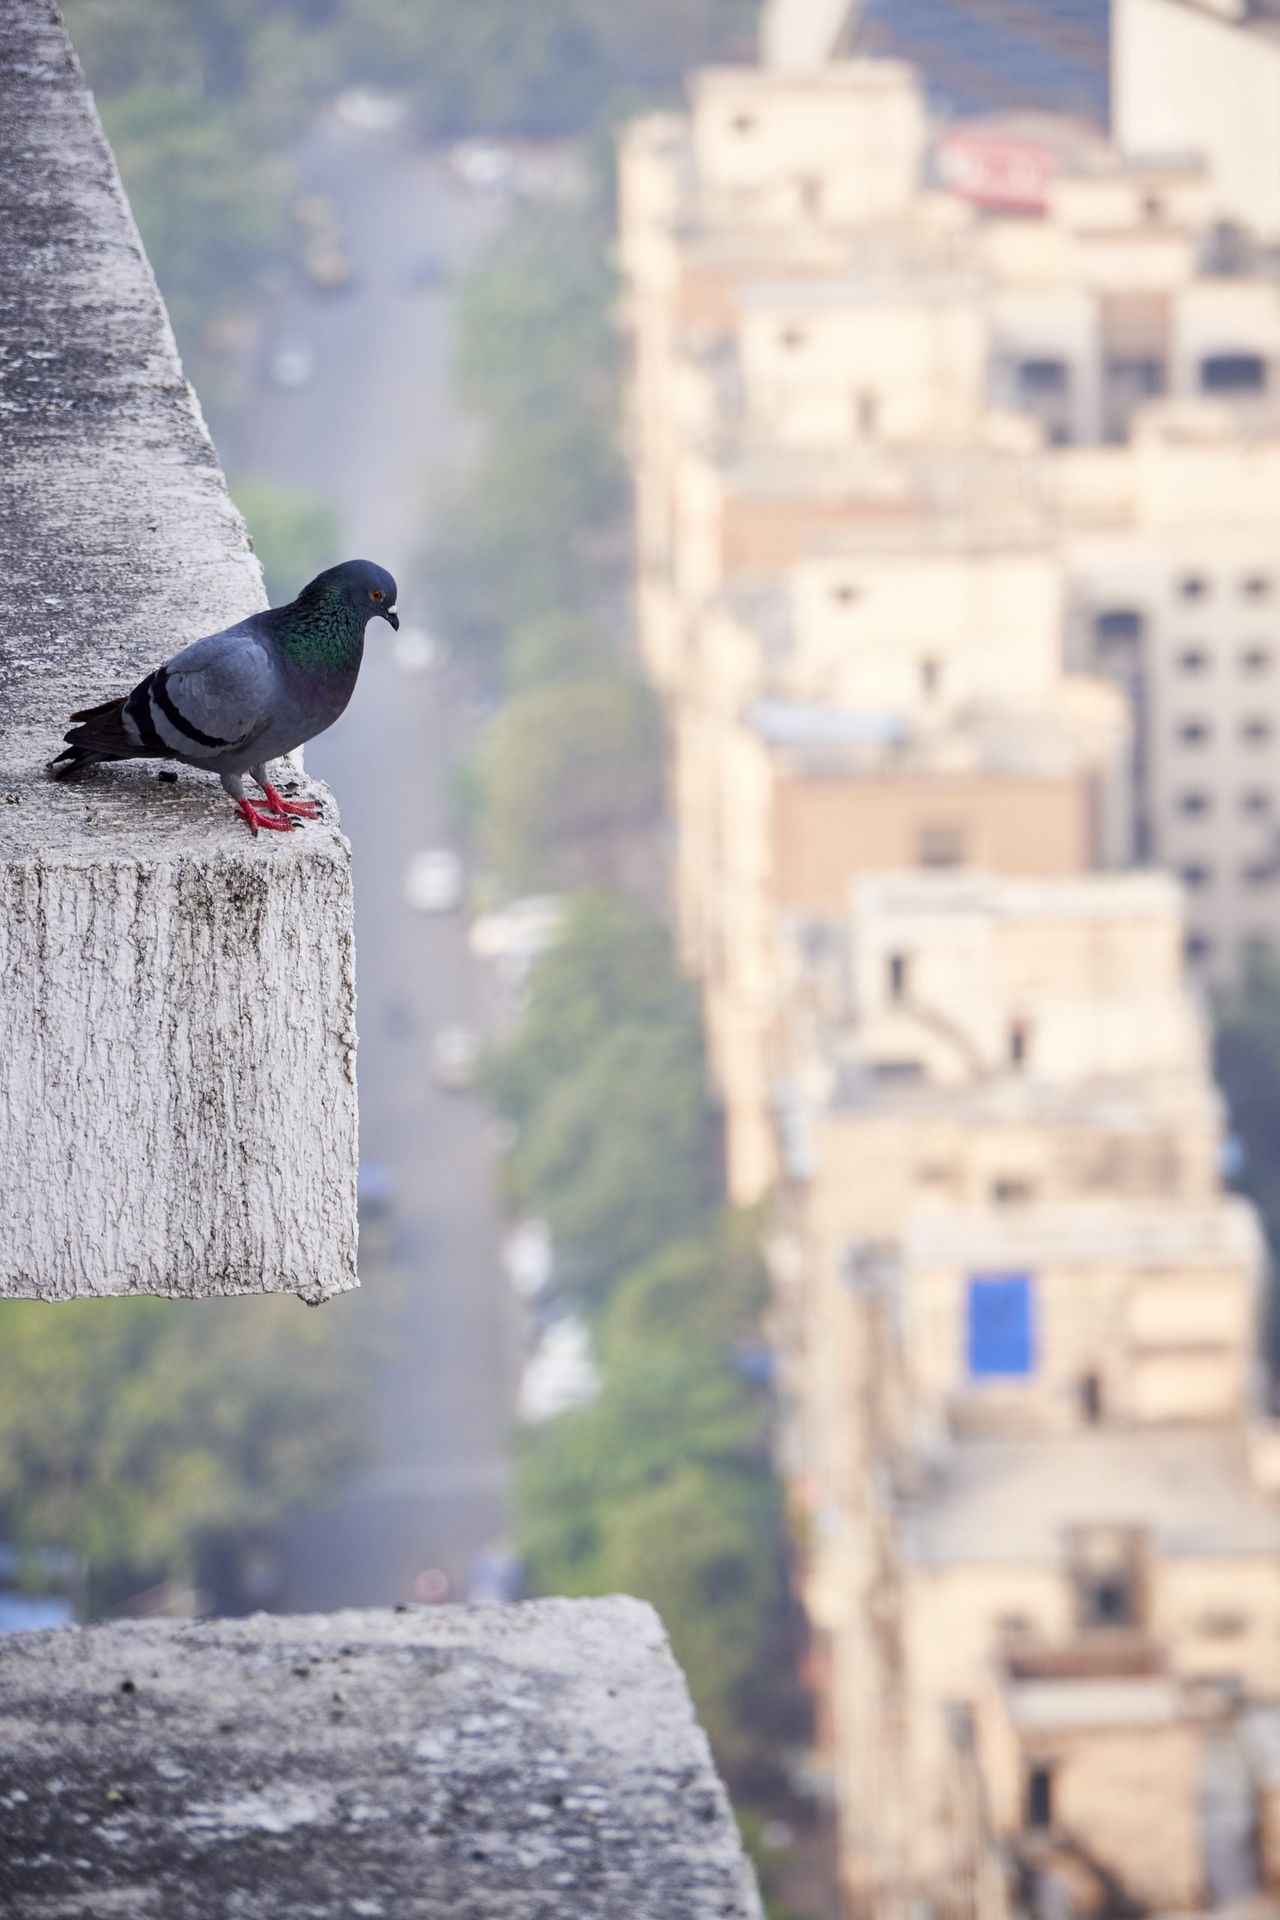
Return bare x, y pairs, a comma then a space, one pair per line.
99, 735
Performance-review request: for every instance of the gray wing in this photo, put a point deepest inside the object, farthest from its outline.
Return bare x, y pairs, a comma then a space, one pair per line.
215, 697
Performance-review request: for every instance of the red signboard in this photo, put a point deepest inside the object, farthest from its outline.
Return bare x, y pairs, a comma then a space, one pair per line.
994, 171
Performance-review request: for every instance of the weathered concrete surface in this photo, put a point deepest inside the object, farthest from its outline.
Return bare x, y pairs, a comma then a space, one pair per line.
481, 1764
177, 1090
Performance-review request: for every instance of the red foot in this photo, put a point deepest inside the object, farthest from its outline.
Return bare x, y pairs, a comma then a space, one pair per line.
301, 809
254, 818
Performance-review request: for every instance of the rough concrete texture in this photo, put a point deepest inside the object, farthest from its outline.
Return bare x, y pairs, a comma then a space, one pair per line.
177, 1091
482, 1764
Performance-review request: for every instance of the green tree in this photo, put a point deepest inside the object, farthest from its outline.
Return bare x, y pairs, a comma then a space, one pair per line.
567, 771
294, 534
133, 1430
611, 967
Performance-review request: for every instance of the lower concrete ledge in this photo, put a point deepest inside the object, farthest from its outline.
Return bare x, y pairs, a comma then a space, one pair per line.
516, 1763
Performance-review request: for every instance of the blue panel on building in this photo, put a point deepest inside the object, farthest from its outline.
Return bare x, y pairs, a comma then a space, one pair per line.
1000, 1333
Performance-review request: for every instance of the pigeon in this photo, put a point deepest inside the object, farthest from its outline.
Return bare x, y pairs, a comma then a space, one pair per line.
239, 698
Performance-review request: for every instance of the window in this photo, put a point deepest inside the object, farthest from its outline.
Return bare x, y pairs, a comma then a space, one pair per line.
1255, 659
1233, 373
941, 844
1222, 1625
1118, 623
1196, 877
999, 1332
897, 1073
1039, 1797
1193, 660
1255, 800
899, 971
1039, 378
1256, 586
1193, 733
1091, 1398
1107, 1599
1193, 803
1193, 586
1256, 731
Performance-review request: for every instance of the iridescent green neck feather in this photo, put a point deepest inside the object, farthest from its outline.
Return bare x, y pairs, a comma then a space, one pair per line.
323, 631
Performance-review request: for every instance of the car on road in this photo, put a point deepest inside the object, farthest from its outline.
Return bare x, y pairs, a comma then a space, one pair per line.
433, 881
292, 364
369, 110
483, 165
327, 265
528, 1259
426, 273
375, 1189
454, 1052
561, 1373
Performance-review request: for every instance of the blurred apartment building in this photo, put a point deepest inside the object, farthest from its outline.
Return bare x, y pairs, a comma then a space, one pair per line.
957, 465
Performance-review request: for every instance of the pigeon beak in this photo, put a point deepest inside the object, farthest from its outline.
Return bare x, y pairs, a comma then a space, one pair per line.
389, 614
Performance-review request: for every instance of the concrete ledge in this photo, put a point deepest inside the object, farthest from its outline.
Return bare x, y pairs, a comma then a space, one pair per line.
177, 1088
513, 1763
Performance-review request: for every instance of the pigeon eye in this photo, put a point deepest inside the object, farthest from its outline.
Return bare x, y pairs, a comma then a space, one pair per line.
375, 593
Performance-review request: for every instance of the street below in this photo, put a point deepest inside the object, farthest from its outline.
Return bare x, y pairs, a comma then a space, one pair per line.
371, 432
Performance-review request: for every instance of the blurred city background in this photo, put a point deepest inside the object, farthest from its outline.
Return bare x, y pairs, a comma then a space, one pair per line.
817, 865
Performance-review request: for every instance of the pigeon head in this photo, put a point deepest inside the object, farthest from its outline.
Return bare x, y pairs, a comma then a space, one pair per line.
358, 584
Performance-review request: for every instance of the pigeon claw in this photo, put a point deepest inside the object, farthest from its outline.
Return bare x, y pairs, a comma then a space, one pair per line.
301, 809
254, 818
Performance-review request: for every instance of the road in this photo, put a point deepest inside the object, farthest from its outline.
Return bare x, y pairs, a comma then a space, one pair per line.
369, 433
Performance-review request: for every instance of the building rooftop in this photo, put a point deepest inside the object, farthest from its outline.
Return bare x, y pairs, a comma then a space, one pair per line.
1160, 1233
1139, 1105
178, 999
1016, 1500
1097, 896
514, 1763
1046, 1706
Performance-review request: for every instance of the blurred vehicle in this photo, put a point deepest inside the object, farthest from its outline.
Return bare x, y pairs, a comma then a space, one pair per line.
327, 266
414, 651
495, 1575
369, 110
454, 1051
482, 165
292, 364
433, 881
426, 273
560, 1374
375, 1189
431, 1586
528, 1259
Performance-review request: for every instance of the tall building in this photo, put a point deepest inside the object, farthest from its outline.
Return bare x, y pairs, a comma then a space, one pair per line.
958, 492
